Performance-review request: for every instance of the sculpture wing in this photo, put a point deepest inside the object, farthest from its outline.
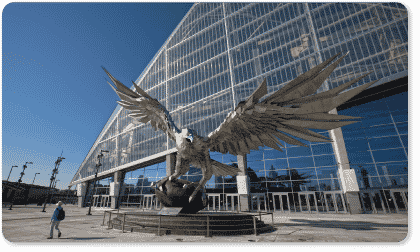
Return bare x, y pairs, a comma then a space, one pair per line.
286, 114
143, 107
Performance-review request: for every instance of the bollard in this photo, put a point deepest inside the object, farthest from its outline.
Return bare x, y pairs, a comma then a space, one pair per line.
109, 221
272, 219
255, 225
123, 223
208, 227
160, 220
103, 221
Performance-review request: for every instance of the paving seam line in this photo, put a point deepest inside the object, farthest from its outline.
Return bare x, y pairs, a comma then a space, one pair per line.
43, 217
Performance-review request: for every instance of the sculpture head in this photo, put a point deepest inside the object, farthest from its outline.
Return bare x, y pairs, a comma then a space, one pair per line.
185, 135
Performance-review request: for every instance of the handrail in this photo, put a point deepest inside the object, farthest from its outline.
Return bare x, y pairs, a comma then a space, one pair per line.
169, 216
202, 214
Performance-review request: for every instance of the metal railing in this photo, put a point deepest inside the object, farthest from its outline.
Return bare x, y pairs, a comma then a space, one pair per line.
159, 226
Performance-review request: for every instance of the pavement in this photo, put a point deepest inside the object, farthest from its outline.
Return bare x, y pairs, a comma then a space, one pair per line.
28, 224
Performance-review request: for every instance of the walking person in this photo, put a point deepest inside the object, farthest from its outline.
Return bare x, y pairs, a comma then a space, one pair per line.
56, 218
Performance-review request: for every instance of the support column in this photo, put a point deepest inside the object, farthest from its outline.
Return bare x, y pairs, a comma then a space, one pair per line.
115, 188
170, 164
242, 182
81, 193
347, 176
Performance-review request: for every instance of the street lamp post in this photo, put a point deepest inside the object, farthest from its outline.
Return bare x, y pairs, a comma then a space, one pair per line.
35, 177
100, 156
7, 181
19, 181
55, 183
54, 172
10, 172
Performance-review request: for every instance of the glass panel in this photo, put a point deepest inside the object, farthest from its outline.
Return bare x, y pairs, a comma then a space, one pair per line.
312, 203
324, 160
262, 203
339, 201
400, 201
301, 162
390, 202
298, 151
285, 202
330, 202
389, 155
277, 202
303, 203
320, 201
385, 143
319, 149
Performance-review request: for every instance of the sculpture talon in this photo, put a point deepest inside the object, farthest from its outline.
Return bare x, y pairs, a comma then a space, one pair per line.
293, 109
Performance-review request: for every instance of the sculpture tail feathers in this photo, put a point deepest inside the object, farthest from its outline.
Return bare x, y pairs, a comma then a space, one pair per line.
220, 169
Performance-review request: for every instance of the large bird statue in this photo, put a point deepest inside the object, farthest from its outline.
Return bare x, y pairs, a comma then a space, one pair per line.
291, 110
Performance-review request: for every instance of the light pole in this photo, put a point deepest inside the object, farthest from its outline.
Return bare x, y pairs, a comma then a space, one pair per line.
35, 177
10, 173
55, 183
54, 189
8, 177
54, 172
19, 181
100, 156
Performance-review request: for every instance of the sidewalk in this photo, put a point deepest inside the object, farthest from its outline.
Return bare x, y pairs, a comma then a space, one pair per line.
30, 225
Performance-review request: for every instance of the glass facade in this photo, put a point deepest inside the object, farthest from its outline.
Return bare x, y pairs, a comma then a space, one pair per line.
377, 147
218, 55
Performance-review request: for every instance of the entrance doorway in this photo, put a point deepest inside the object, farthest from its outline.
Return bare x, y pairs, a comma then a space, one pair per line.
149, 201
308, 202
101, 201
258, 202
232, 202
215, 200
384, 201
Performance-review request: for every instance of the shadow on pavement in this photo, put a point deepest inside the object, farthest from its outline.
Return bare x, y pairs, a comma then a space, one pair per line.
86, 238
348, 225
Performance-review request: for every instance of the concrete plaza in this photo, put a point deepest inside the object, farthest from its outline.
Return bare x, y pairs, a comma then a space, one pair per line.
27, 224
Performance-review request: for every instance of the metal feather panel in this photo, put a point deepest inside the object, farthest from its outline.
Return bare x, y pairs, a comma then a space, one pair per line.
144, 108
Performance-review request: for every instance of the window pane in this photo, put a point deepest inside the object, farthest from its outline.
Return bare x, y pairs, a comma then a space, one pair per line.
301, 162
378, 131
324, 160
402, 128
329, 184
359, 157
400, 115
326, 172
365, 170
318, 149
298, 151
255, 155
357, 145
385, 143
274, 154
404, 139
389, 155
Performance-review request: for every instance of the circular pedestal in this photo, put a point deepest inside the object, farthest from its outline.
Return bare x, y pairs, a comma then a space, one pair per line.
206, 224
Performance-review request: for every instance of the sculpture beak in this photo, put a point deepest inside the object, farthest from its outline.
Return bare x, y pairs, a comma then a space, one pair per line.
190, 138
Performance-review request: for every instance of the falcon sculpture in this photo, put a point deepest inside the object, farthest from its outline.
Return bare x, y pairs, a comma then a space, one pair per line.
287, 114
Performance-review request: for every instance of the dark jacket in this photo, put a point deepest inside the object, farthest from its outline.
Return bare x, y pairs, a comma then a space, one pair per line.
55, 214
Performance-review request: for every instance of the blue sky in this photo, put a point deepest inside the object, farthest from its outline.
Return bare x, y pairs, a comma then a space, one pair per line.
54, 94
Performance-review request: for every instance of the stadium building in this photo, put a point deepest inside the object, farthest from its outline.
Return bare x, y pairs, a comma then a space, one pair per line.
216, 57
